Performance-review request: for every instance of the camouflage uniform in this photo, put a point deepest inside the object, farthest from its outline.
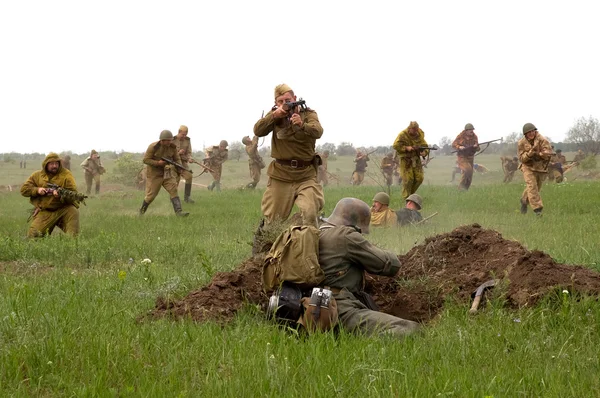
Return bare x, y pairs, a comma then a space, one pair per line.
322, 177
345, 255
361, 167
411, 168
255, 161
534, 165
509, 166
387, 169
184, 148
215, 157
465, 158
293, 173
93, 170
51, 211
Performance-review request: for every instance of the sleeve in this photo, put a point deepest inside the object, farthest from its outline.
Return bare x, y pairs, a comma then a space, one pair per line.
30, 187
85, 163
311, 126
188, 153
457, 141
177, 156
226, 155
374, 260
149, 156
265, 125
255, 141
401, 142
522, 152
545, 147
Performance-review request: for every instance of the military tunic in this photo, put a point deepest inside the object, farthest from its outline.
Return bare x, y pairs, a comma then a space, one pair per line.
184, 144
160, 176
93, 169
360, 168
509, 166
255, 161
466, 157
215, 157
387, 169
406, 216
411, 168
534, 165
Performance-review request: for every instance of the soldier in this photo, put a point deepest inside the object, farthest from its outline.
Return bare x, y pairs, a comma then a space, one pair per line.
555, 167
579, 156
410, 213
509, 166
293, 173
478, 167
93, 169
381, 214
52, 209
408, 146
387, 168
255, 161
322, 177
215, 157
397, 176
561, 158
345, 255
161, 174
183, 143
534, 152
455, 170
466, 144
66, 162
361, 160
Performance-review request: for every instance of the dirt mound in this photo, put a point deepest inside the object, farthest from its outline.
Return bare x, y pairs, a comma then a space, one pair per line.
447, 265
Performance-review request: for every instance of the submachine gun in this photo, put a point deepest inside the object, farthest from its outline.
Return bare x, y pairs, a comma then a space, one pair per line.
66, 193
173, 163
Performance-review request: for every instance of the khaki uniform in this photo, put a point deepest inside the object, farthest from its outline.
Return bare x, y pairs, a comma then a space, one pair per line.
50, 211
293, 173
509, 166
466, 157
93, 169
160, 176
384, 218
387, 169
555, 169
215, 157
345, 255
579, 157
411, 168
255, 161
359, 171
408, 216
184, 144
534, 168
322, 177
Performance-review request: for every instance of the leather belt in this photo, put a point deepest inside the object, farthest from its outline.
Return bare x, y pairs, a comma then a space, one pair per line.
294, 163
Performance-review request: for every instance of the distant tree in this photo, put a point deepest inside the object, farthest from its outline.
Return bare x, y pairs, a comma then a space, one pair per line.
127, 169
512, 138
586, 133
236, 148
328, 146
345, 149
265, 151
445, 145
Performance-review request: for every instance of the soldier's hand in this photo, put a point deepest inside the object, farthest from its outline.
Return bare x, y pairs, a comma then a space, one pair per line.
41, 191
279, 113
409, 149
181, 151
461, 148
296, 120
55, 193
161, 162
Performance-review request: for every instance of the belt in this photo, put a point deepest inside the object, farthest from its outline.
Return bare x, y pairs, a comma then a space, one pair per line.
295, 163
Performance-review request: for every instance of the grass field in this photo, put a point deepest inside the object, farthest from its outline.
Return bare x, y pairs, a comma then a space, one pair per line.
70, 308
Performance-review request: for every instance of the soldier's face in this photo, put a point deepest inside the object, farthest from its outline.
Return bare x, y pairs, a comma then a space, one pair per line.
377, 206
165, 142
530, 135
95, 156
52, 167
469, 132
182, 134
287, 97
411, 205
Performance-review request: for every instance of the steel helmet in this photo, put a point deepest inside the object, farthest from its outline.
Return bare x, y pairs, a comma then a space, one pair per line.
528, 127
223, 143
351, 211
469, 126
382, 198
416, 199
166, 135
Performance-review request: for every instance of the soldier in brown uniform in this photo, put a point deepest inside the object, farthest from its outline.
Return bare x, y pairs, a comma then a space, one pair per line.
66, 162
183, 143
215, 157
408, 146
161, 174
381, 214
509, 166
255, 161
361, 160
534, 152
93, 169
466, 144
387, 168
293, 173
51, 209
322, 177
579, 156
345, 257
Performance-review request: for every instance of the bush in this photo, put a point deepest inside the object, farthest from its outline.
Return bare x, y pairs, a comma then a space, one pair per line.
589, 162
126, 171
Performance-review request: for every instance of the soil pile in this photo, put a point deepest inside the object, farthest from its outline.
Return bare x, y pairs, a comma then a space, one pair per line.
452, 264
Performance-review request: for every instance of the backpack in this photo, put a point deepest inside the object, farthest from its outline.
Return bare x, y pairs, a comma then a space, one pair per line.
293, 258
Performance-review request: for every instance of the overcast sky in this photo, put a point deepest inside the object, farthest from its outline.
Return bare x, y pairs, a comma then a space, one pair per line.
110, 75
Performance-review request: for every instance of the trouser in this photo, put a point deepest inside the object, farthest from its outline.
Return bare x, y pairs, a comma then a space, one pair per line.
358, 177
355, 317
322, 177
280, 196
466, 166
153, 185
187, 176
216, 173
412, 176
388, 177
508, 176
533, 185
89, 178
66, 218
555, 175
254, 173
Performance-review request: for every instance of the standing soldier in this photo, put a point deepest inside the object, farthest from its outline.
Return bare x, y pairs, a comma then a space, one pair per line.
161, 174
579, 156
215, 157
361, 160
293, 173
322, 177
408, 146
255, 161
534, 153
66, 162
53, 208
184, 148
509, 166
466, 144
93, 170
387, 169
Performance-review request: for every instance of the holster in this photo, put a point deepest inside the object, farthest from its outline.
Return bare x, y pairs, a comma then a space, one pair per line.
317, 161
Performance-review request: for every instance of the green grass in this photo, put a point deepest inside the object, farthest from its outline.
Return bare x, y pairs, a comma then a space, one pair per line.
70, 308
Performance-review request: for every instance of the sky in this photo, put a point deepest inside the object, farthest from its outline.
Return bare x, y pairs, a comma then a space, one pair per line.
111, 75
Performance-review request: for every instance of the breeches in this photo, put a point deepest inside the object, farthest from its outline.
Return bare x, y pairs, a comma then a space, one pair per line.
153, 186
358, 177
254, 173
280, 197
533, 185
65, 218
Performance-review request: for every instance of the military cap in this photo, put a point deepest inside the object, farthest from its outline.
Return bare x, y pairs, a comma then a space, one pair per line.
527, 127
166, 135
282, 89
183, 128
382, 198
94, 152
416, 199
469, 126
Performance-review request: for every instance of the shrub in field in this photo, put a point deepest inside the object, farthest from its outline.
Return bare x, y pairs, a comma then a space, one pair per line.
126, 170
589, 162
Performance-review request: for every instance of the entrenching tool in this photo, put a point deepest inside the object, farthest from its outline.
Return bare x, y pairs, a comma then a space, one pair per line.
479, 293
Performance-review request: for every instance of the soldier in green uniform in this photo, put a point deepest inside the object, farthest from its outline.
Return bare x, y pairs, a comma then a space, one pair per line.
51, 208
183, 143
215, 157
161, 174
345, 255
407, 145
255, 161
293, 173
93, 169
409, 214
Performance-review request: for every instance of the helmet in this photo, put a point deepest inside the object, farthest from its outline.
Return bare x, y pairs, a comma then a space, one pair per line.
382, 198
390, 154
515, 158
246, 140
528, 127
469, 126
559, 151
352, 212
166, 135
416, 199
223, 143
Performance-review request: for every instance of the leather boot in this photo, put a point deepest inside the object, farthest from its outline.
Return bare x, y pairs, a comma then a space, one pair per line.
97, 189
177, 207
538, 212
211, 186
144, 207
187, 194
523, 207
217, 186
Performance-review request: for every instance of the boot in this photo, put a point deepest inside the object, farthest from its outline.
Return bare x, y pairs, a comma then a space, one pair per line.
250, 185
523, 207
538, 212
188, 192
144, 207
217, 186
211, 186
177, 207
97, 189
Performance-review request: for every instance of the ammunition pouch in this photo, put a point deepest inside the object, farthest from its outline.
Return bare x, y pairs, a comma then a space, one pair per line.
320, 311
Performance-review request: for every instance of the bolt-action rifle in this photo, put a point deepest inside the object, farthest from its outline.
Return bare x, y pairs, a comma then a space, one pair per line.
73, 196
172, 163
426, 218
486, 143
205, 168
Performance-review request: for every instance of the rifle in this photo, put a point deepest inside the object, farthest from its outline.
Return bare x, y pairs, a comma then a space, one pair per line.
205, 167
425, 219
486, 143
290, 106
431, 148
66, 193
172, 163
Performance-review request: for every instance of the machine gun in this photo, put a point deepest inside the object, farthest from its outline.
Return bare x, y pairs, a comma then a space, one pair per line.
172, 163
486, 143
65, 193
